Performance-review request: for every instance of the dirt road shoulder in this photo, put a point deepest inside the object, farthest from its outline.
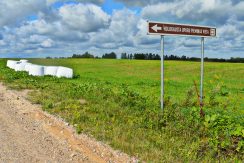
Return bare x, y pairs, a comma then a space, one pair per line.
27, 134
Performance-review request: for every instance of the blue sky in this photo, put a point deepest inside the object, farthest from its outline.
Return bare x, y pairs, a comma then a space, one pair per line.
63, 27
109, 5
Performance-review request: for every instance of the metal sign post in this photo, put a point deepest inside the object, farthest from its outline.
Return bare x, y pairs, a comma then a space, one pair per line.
202, 72
158, 28
162, 73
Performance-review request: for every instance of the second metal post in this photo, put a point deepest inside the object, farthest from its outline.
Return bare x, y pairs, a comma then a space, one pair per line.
162, 73
202, 71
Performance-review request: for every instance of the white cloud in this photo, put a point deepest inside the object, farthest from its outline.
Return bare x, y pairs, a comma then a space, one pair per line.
239, 8
48, 43
121, 31
37, 27
12, 11
141, 37
228, 31
198, 10
49, 2
79, 27
85, 18
140, 2
2, 43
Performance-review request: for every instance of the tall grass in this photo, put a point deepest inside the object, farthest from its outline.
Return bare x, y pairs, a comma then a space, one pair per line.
118, 102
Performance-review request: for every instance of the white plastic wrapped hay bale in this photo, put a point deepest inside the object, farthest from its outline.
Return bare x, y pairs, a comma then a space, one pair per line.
24, 61
64, 72
36, 70
20, 67
11, 64
27, 67
45, 67
50, 70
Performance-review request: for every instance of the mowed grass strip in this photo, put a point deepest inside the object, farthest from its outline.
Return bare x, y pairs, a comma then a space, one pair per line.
118, 101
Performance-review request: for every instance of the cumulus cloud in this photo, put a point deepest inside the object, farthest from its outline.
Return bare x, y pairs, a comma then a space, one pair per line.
198, 10
141, 37
49, 2
72, 23
228, 31
141, 2
37, 27
238, 9
87, 18
85, 26
121, 31
12, 11
47, 43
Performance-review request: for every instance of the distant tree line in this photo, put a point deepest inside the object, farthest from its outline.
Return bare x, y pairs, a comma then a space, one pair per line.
140, 56
151, 56
111, 55
236, 60
85, 55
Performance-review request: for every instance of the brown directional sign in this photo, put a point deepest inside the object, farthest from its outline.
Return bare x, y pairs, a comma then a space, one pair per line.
157, 28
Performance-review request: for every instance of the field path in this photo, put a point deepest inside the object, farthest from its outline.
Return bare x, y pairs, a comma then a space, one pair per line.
27, 134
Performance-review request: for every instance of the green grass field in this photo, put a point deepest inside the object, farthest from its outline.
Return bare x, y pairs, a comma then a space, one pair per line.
122, 106
144, 76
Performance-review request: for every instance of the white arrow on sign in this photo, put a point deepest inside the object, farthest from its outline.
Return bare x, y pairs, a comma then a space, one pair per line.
156, 28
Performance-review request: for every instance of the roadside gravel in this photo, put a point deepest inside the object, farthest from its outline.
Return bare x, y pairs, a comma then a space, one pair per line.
27, 134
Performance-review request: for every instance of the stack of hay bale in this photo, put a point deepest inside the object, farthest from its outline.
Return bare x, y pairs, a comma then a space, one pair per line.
38, 70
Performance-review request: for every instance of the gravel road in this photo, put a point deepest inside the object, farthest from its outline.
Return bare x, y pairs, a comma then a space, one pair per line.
27, 134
